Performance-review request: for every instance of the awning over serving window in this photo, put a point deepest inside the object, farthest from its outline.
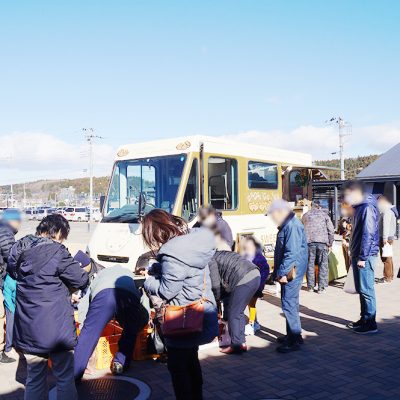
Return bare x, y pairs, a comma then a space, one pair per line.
316, 170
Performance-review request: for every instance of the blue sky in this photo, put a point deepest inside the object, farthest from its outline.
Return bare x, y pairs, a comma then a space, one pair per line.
137, 70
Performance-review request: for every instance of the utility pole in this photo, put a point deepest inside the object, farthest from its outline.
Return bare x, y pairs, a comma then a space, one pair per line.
24, 203
12, 195
344, 130
90, 136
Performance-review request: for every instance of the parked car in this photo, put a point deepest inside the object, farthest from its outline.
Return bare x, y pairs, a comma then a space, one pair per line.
41, 213
75, 214
31, 214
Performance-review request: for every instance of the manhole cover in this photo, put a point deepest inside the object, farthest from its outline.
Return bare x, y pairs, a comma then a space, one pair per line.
110, 388
107, 389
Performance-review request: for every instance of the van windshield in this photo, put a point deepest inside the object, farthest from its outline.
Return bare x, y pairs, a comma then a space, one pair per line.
155, 180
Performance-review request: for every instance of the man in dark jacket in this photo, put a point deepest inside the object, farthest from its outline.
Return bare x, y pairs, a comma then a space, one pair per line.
290, 263
44, 322
239, 279
9, 225
364, 248
320, 236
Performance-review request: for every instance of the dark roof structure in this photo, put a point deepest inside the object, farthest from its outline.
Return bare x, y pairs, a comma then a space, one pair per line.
386, 166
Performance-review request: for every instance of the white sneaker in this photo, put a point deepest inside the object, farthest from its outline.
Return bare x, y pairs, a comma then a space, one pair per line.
249, 330
256, 326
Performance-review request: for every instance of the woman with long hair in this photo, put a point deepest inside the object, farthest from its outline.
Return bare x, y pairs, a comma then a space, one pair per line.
180, 278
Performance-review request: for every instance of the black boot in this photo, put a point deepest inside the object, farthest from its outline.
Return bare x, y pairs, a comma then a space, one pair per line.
284, 339
291, 344
367, 327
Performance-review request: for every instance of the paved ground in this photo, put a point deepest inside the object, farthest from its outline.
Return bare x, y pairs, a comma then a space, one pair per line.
334, 363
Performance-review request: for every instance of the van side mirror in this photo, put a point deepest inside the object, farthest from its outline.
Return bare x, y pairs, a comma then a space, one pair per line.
102, 201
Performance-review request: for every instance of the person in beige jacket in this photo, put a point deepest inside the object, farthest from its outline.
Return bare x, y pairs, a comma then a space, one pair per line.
387, 233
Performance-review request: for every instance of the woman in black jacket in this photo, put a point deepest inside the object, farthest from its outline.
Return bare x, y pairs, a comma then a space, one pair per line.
44, 324
239, 279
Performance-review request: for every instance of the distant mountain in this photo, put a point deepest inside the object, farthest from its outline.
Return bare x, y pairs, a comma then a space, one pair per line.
51, 189
352, 165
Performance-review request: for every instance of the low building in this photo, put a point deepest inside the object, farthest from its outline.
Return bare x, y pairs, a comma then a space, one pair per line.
383, 175
380, 177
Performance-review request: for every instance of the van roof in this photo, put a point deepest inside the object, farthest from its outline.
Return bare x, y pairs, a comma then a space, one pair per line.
214, 145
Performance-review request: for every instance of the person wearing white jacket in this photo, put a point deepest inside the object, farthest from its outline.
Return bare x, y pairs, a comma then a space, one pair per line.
387, 233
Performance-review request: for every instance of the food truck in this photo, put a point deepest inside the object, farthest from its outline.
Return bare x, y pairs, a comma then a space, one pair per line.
179, 175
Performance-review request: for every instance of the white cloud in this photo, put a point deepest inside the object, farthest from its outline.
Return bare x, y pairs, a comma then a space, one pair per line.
321, 142
27, 156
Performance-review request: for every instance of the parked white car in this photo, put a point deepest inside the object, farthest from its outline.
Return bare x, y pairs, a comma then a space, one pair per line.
77, 214
31, 214
41, 213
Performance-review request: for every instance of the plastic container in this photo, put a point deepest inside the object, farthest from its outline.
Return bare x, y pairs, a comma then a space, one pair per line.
140, 352
107, 345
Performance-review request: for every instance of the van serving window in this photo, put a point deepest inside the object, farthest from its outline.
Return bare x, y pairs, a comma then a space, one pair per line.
262, 175
222, 183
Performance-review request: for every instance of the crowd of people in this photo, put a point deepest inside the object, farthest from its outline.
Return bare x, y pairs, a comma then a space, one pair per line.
193, 280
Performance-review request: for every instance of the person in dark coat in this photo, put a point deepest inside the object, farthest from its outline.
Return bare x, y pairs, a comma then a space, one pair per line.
112, 294
364, 250
181, 277
239, 279
9, 226
210, 218
44, 325
290, 264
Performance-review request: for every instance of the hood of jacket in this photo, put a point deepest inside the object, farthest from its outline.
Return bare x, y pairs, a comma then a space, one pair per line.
195, 249
33, 243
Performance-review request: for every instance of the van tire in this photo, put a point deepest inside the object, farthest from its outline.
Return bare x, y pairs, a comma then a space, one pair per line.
79, 219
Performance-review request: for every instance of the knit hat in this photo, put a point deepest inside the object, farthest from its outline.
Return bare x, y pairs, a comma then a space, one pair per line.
11, 214
82, 258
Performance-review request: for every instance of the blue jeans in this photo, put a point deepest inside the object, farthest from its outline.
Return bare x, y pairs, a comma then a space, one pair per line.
364, 280
290, 293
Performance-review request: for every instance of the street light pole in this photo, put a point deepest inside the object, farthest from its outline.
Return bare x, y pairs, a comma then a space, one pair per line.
89, 136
